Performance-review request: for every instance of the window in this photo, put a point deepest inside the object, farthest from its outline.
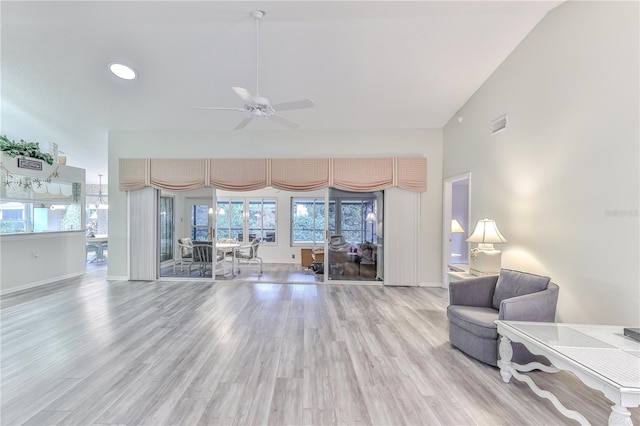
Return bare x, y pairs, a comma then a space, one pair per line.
356, 216
308, 220
262, 220
200, 222
97, 220
166, 228
17, 217
34, 204
353, 224
230, 218
13, 217
244, 219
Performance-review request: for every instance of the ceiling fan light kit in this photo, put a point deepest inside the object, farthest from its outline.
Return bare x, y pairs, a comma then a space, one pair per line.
259, 106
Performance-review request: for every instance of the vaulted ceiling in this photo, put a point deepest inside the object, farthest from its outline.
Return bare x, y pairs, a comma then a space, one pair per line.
366, 65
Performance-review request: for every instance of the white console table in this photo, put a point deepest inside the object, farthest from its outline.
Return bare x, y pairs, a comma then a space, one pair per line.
458, 272
599, 355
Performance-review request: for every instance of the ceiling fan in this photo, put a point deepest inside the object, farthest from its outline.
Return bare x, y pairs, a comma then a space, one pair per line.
259, 106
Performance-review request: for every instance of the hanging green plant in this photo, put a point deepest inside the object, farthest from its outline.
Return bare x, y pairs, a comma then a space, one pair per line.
24, 149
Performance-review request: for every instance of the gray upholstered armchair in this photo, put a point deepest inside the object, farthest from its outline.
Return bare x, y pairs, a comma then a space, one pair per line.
475, 304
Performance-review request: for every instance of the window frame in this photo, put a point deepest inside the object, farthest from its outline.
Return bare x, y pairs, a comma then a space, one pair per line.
248, 226
194, 227
317, 227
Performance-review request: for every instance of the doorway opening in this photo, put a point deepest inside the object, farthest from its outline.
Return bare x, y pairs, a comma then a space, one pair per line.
456, 197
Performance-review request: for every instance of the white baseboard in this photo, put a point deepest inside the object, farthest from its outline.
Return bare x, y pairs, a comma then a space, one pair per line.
39, 283
117, 278
430, 284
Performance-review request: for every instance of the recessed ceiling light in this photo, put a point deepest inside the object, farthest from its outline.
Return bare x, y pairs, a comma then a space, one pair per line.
123, 71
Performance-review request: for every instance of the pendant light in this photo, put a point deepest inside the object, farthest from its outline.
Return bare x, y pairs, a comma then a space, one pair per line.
100, 203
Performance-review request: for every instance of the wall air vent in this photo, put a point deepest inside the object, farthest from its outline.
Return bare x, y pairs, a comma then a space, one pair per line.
499, 124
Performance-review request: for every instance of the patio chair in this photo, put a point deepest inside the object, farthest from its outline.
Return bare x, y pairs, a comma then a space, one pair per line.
248, 255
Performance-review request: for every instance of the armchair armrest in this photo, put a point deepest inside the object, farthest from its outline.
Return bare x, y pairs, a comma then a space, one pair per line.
473, 292
540, 306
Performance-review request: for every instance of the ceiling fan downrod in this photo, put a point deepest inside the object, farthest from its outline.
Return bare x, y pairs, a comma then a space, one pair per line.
258, 15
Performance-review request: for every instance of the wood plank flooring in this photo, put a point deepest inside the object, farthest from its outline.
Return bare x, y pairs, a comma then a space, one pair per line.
90, 352
271, 273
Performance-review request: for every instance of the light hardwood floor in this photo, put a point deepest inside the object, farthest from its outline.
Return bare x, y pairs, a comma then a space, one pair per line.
271, 272
87, 351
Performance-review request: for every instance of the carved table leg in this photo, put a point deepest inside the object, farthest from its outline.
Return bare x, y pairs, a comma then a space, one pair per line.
506, 352
620, 416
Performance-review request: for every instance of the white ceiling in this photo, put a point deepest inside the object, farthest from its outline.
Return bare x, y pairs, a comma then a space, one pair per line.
366, 65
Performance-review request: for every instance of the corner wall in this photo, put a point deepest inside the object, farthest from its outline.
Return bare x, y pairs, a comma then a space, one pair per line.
562, 180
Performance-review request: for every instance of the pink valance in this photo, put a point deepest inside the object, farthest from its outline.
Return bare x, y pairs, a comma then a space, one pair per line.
350, 174
362, 174
177, 175
238, 174
133, 173
300, 174
411, 173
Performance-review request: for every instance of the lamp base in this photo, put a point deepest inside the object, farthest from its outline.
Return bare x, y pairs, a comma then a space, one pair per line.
485, 262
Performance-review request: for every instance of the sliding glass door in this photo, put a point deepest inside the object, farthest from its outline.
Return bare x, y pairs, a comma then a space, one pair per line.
355, 245
166, 228
186, 219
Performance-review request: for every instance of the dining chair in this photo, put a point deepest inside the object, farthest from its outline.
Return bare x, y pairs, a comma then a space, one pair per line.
184, 257
202, 258
104, 251
248, 255
92, 248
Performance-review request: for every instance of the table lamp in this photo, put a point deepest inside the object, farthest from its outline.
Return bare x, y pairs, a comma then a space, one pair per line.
456, 227
485, 259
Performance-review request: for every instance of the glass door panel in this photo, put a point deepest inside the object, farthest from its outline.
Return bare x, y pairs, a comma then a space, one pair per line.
166, 228
353, 246
185, 219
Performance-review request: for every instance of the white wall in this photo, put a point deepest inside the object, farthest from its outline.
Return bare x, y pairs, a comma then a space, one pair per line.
562, 181
36, 258
283, 144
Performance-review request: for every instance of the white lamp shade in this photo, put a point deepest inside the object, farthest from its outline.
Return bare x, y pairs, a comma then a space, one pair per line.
456, 227
486, 232
371, 217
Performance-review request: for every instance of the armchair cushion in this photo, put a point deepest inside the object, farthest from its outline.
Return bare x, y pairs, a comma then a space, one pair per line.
337, 243
478, 321
515, 283
539, 306
186, 246
251, 253
473, 292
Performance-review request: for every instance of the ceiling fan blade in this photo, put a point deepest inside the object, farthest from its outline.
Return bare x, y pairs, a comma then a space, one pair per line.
284, 121
244, 123
244, 94
222, 109
286, 106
